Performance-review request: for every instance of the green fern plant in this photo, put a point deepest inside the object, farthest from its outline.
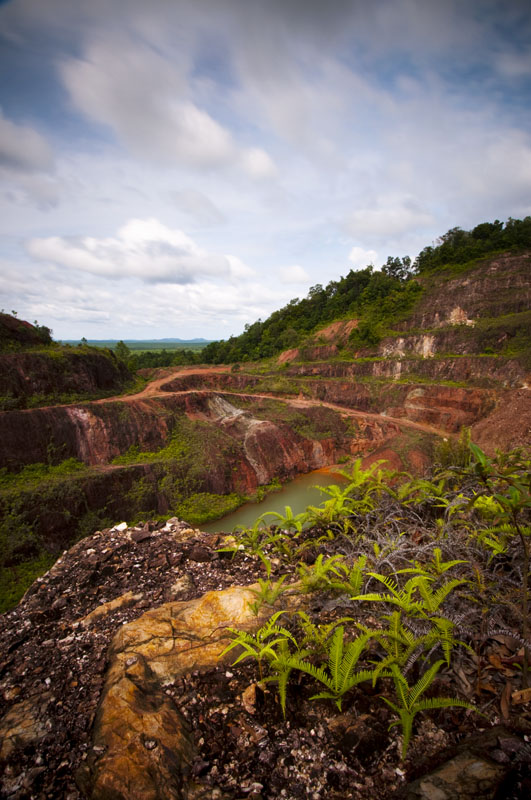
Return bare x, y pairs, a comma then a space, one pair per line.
507, 481
263, 645
339, 675
351, 577
409, 703
317, 577
281, 666
287, 521
316, 636
436, 566
398, 641
407, 598
268, 593
249, 539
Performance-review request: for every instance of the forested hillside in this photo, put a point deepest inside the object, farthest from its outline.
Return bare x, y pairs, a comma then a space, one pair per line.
375, 296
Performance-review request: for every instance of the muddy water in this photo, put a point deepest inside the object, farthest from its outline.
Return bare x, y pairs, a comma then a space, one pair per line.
298, 494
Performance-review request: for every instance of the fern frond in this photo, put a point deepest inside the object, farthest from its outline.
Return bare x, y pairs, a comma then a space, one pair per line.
442, 593
319, 673
335, 655
423, 683
430, 703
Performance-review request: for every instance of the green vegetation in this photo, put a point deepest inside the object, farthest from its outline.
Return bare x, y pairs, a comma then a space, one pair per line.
379, 298
177, 447
14, 580
33, 474
149, 355
374, 295
458, 246
204, 506
435, 545
17, 335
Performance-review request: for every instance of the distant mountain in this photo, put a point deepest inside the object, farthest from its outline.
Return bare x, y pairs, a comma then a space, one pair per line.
185, 341
111, 342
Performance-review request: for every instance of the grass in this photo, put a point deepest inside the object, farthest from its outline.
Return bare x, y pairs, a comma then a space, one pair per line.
33, 474
16, 580
206, 507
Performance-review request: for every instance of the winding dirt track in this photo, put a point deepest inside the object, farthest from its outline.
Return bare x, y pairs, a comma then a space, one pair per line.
154, 389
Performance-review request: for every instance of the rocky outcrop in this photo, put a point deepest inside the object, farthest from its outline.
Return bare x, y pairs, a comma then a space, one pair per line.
495, 287
442, 406
142, 746
96, 433
99, 682
54, 647
223, 449
486, 370
59, 372
507, 426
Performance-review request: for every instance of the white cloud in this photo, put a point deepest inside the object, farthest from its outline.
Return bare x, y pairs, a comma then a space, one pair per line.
22, 148
361, 258
218, 115
147, 101
143, 98
293, 274
144, 249
388, 217
258, 164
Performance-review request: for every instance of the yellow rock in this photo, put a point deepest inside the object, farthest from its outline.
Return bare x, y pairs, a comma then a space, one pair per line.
125, 600
142, 746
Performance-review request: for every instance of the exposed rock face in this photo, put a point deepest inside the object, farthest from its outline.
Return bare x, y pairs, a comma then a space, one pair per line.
95, 433
475, 370
54, 661
500, 286
446, 407
238, 452
320, 352
60, 372
142, 746
509, 424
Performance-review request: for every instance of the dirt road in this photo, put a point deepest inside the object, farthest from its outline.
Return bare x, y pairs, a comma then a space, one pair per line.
154, 389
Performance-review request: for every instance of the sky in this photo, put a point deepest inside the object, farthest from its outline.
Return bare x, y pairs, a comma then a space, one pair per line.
180, 168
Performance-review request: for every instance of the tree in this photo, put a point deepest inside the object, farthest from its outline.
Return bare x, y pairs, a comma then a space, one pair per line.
399, 268
122, 351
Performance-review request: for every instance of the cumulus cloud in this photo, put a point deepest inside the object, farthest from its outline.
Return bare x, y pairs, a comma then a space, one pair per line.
142, 97
257, 163
144, 249
22, 148
389, 216
361, 258
147, 101
293, 274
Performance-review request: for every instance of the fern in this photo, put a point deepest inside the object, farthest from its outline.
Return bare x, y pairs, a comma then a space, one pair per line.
262, 645
317, 577
268, 593
353, 575
281, 667
409, 704
316, 636
338, 675
406, 598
